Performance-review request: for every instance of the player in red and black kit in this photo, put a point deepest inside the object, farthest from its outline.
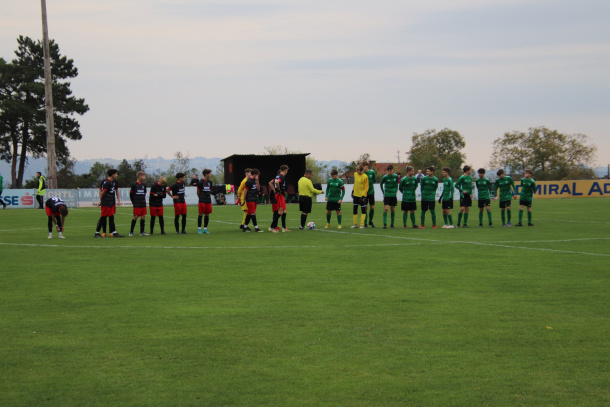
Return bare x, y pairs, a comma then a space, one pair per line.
204, 192
177, 192
57, 210
137, 194
251, 190
109, 198
158, 192
279, 207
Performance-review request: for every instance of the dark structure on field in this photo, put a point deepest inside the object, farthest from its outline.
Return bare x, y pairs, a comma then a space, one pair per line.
268, 165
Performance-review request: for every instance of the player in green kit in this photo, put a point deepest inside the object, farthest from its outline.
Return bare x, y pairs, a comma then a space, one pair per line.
506, 186
464, 185
447, 198
335, 191
484, 190
370, 196
429, 185
528, 187
408, 186
389, 187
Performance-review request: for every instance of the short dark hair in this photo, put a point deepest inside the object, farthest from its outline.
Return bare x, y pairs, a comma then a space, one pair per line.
253, 171
308, 171
111, 172
500, 172
180, 175
247, 170
389, 167
63, 210
447, 170
481, 171
39, 173
206, 172
334, 172
409, 168
529, 171
466, 168
431, 168
284, 167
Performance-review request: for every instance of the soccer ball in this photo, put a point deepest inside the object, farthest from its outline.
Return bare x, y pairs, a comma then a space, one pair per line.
311, 225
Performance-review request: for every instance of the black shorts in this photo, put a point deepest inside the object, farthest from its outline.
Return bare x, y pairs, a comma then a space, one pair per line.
305, 204
360, 201
525, 203
448, 204
466, 200
272, 198
370, 199
408, 206
333, 206
390, 200
425, 205
484, 202
505, 204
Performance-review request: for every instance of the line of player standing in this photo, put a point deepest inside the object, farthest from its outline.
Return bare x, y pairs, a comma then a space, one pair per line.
363, 196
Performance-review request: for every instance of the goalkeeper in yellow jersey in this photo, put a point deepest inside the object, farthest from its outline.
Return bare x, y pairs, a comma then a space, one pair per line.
238, 200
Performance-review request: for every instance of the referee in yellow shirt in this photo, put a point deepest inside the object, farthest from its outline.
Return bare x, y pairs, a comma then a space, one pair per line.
306, 194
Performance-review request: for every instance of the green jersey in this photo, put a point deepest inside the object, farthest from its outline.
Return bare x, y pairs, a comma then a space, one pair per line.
408, 186
429, 185
1, 183
447, 189
335, 191
506, 186
464, 184
371, 175
528, 187
483, 187
389, 185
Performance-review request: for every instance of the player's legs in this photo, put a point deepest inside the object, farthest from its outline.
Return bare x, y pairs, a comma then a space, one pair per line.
385, 215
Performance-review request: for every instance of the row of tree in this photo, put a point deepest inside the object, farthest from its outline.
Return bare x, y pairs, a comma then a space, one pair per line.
550, 154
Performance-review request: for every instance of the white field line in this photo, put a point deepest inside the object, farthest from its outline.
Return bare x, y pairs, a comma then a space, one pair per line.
208, 247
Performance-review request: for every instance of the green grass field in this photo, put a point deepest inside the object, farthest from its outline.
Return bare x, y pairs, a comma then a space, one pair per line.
493, 317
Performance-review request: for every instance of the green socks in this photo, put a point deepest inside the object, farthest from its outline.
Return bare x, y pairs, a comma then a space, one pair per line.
520, 215
488, 217
459, 218
339, 219
450, 216
433, 218
465, 218
413, 219
404, 218
529, 217
328, 218
385, 218
504, 217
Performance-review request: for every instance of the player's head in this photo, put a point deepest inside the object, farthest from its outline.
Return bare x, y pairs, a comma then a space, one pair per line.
248, 171
195, 175
141, 175
481, 172
359, 168
430, 170
467, 169
254, 172
63, 210
180, 177
207, 173
284, 169
500, 173
112, 173
308, 173
410, 170
334, 174
390, 169
38, 174
446, 172
162, 181
528, 173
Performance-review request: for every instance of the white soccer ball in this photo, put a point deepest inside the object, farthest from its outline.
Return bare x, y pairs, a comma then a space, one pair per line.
311, 225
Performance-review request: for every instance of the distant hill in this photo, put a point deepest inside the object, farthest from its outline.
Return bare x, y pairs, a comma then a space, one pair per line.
152, 164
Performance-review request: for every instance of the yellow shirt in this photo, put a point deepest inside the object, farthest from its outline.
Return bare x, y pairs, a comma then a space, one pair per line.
241, 190
306, 188
361, 185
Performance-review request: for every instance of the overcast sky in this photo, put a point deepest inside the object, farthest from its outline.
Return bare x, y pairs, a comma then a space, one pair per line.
335, 78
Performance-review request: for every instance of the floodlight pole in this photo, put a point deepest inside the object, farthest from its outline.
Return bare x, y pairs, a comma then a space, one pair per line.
48, 102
